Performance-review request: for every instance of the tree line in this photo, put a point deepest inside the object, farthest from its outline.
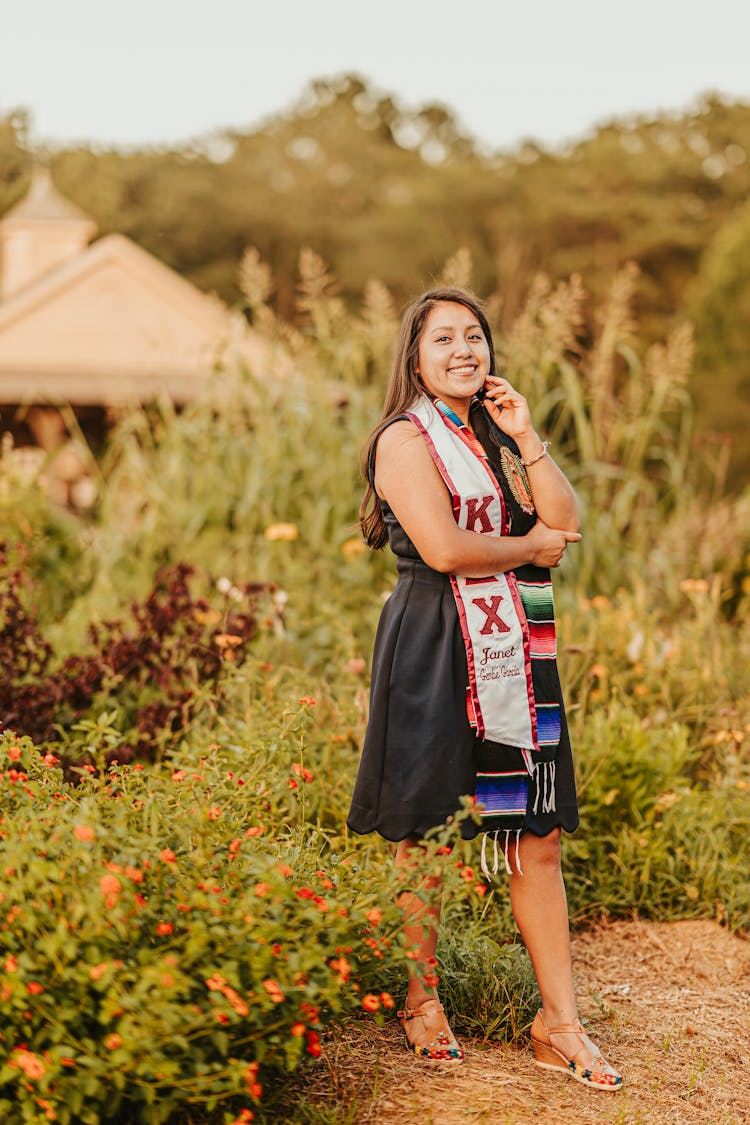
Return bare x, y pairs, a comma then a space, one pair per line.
382, 191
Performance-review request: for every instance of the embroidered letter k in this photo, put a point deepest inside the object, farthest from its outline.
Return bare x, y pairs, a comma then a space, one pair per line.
477, 510
492, 618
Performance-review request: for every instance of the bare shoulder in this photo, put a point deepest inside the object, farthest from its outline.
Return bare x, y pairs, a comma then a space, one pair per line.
399, 445
396, 435
402, 461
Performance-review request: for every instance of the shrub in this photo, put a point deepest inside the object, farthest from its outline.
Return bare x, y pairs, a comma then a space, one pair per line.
171, 936
154, 669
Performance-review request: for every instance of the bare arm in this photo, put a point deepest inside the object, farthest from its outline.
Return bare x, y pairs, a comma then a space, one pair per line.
552, 493
406, 476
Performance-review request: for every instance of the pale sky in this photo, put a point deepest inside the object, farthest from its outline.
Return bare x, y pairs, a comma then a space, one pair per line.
158, 71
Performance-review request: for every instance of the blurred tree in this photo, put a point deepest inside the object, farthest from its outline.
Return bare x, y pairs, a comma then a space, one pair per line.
15, 158
383, 191
721, 311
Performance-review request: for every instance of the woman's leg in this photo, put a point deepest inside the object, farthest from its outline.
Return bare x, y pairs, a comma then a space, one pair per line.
540, 908
423, 1019
421, 921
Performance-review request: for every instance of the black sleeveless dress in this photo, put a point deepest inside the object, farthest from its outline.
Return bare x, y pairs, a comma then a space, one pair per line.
420, 755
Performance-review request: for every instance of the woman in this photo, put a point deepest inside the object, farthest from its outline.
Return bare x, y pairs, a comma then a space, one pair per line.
465, 697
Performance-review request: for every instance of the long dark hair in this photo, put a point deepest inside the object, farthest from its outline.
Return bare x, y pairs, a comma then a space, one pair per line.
404, 387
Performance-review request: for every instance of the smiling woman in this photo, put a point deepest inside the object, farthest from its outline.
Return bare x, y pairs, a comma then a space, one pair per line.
465, 698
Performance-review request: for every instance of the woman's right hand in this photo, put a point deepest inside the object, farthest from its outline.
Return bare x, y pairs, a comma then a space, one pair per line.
547, 544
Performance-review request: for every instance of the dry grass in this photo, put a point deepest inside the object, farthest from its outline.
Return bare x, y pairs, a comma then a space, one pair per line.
668, 1002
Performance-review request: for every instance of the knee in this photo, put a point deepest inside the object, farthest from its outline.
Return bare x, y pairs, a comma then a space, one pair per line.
541, 851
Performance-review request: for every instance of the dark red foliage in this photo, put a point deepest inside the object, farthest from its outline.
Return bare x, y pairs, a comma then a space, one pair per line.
150, 666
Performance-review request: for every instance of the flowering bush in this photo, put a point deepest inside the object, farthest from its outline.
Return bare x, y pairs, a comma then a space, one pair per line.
166, 940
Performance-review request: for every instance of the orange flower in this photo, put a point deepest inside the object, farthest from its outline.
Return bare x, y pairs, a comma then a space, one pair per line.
110, 885
215, 983
351, 548
281, 532
84, 832
227, 640
307, 700
387, 1000
432, 980
261, 890
214, 812
374, 916
34, 988
133, 873
273, 990
14, 753
285, 870
236, 1001
297, 1029
235, 845
113, 1041
370, 1003
342, 967
179, 775
167, 855
356, 665
29, 1063
164, 928
11, 964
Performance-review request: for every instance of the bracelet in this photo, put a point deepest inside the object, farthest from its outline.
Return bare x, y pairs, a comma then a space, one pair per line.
533, 461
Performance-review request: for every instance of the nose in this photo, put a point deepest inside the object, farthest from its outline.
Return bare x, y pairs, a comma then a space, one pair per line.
462, 349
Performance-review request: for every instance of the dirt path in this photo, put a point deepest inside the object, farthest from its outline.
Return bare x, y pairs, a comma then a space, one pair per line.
668, 1002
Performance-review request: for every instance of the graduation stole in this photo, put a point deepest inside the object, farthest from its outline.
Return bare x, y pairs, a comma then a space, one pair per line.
501, 702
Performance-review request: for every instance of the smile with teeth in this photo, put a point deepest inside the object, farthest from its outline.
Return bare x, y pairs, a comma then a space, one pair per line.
467, 369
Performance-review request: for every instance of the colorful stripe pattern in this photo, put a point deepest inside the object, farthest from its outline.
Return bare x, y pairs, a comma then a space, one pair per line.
536, 598
502, 796
548, 723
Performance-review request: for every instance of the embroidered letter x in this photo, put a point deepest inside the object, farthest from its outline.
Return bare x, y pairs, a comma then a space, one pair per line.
492, 618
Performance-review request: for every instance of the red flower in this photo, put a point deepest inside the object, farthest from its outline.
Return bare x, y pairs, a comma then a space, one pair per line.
297, 1029
370, 1003
164, 928
307, 700
167, 855
313, 1045
34, 987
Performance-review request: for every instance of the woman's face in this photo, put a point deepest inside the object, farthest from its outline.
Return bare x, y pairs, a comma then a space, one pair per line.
454, 356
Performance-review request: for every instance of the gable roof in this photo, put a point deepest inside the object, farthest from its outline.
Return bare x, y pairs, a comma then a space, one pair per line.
110, 324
